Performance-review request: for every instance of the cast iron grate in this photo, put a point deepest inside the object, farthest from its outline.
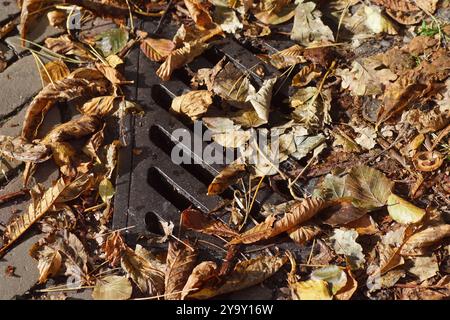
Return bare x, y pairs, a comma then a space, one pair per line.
148, 182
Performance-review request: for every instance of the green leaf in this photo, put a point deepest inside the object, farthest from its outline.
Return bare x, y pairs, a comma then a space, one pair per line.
106, 190
112, 41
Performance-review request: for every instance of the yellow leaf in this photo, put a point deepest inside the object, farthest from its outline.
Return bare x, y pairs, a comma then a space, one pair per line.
310, 290
193, 104
106, 190
403, 211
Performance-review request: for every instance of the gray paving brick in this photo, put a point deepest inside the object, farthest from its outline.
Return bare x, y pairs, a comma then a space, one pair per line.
8, 8
38, 33
20, 82
26, 271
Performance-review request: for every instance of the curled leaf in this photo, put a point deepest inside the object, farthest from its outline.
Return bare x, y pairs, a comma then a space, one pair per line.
193, 104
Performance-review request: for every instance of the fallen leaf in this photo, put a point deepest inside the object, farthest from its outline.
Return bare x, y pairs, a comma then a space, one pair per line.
100, 106
285, 58
106, 190
298, 213
403, 211
196, 220
193, 104
84, 82
261, 99
227, 19
421, 240
308, 28
366, 77
20, 149
112, 288
304, 233
179, 57
227, 177
199, 14
333, 275
424, 267
111, 41
157, 49
344, 243
180, 263
22, 223
311, 106
200, 275
54, 71
369, 187
245, 274
148, 278
310, 290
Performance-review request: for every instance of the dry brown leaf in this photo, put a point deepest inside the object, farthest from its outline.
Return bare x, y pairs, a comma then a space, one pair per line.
196, 220
35, 212
201, 274
307, 74
274, 12
369, 187
420, 241
73, 129
157, 49
342, 212
285, 58
100, 106
346, 292
304, 233
180, 263
81, 83
199, 14
308, 27
297, 214
403, 11
257, 233
179, 58
65, 250
245, 274
30, 12
49, 263
231, 83
148, 278
54, 71
113, 248
226, 177
20, 149
193, 104
428, 160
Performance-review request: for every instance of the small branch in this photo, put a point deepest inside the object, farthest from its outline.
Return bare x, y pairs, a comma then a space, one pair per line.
163, 17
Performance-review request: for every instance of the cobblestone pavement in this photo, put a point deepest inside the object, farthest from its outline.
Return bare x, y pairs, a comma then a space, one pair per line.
19, 82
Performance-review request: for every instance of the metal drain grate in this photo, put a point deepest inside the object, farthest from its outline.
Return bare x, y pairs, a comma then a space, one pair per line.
148, 181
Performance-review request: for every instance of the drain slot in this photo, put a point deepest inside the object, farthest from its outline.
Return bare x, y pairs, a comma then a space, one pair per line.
171, 191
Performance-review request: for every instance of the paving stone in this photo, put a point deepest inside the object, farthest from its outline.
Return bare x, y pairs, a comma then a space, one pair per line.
26, 272
20, 82
8, 8
38, 33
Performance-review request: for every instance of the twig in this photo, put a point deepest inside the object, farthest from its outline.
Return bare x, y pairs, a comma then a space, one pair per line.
13, 195
163, 17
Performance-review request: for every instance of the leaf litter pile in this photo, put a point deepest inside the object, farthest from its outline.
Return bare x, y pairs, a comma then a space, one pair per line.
364, 127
